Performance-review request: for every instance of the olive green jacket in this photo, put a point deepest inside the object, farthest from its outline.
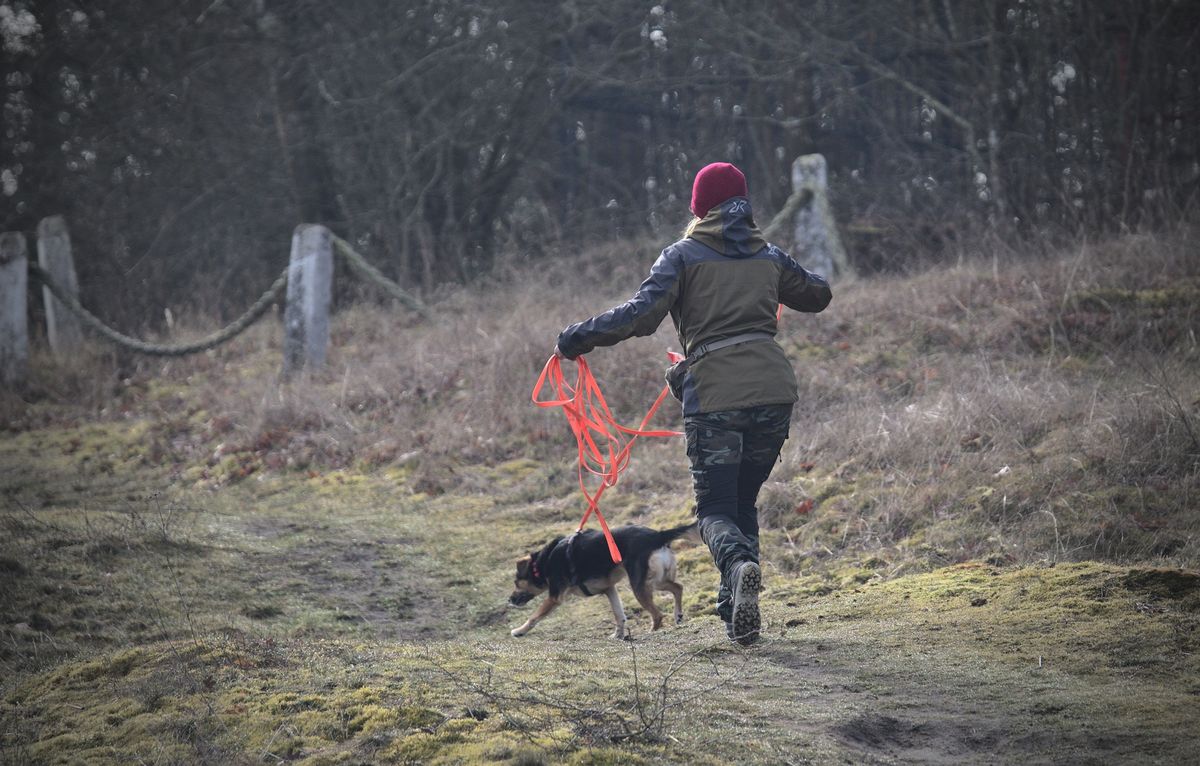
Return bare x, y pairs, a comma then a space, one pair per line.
722, 279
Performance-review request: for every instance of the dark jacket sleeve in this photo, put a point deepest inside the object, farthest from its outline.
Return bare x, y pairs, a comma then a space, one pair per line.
800, 289
640, 315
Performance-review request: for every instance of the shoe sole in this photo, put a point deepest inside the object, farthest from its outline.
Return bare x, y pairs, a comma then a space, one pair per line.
746, 620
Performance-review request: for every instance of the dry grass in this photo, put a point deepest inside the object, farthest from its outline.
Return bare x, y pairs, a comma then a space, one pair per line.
1046, 408
1016, 407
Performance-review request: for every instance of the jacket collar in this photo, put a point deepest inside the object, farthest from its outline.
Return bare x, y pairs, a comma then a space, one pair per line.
729, 229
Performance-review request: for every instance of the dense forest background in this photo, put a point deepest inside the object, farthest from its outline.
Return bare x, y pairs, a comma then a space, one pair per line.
183, 141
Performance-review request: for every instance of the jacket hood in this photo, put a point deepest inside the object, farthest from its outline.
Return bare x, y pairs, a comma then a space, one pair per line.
729, 229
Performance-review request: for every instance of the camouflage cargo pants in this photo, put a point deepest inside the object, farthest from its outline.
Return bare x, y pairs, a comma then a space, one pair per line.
732, 454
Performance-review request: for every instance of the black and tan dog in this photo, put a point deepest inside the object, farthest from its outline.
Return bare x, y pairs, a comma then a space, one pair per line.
581, 564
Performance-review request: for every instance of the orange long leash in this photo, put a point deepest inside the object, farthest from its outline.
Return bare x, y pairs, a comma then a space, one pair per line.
603, 443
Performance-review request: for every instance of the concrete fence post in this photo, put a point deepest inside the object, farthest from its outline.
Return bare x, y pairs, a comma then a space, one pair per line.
309, 295
54, 257
818, 245
14, 322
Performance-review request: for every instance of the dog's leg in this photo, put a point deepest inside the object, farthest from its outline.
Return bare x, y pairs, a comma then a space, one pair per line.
645, 597
548, 606
618, 612
676, 590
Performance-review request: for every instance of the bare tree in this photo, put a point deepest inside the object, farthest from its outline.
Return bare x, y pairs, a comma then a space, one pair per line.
181, 138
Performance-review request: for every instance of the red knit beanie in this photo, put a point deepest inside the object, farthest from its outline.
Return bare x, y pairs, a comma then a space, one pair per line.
714, 184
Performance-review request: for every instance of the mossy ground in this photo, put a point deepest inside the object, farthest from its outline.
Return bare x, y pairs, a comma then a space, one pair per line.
980, 547
353, 621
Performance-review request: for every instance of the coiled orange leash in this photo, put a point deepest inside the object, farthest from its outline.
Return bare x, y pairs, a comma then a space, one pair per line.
603, 443
593, 424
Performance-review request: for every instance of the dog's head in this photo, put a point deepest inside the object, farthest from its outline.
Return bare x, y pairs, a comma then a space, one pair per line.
528, 582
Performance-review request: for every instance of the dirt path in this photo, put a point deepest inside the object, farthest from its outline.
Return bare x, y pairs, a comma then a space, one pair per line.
907, 723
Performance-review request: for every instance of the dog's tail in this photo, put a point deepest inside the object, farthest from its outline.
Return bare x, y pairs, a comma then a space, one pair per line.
668, 536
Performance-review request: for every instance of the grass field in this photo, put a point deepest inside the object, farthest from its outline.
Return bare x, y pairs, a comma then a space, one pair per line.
981, 544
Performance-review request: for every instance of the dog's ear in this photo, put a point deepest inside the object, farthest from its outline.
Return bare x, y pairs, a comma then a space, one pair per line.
523, 564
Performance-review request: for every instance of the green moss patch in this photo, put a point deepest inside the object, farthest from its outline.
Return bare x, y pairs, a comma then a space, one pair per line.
971, 659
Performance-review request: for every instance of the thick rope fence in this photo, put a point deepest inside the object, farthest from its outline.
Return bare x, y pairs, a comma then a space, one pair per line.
306, 282
225, 334
376, 277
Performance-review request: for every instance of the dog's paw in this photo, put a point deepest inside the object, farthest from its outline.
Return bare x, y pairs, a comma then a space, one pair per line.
517, 632
679, 618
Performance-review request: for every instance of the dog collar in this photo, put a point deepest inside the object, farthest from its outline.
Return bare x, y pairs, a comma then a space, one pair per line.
534, 568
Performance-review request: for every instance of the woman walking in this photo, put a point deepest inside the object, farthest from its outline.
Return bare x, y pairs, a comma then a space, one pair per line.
722, 284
